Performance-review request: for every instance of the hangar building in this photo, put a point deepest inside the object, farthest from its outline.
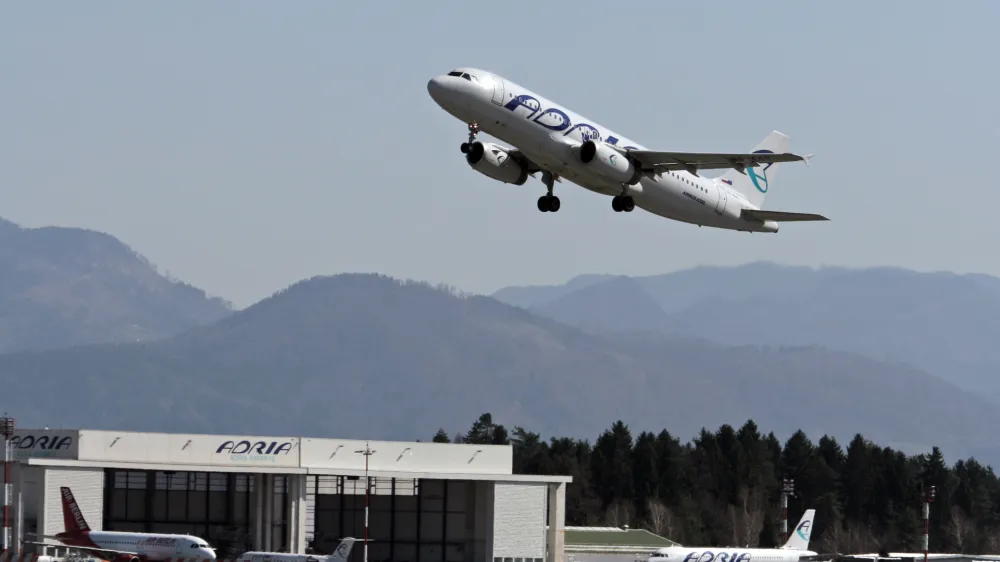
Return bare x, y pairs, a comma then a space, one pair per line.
429, 502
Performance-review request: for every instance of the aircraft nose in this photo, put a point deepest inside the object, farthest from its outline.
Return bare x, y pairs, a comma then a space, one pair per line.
436, 88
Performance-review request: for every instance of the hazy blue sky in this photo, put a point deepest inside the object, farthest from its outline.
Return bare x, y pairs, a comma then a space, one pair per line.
243, 146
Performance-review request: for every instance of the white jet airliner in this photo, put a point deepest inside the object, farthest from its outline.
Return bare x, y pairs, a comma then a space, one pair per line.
795, 548
559, 143
118, 546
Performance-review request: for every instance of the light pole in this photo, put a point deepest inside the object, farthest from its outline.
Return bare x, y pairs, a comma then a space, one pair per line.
787, 489
367, 452
7, 429
928, 499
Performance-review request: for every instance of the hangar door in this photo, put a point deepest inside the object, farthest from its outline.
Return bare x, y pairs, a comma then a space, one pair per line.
214, 506
409, 520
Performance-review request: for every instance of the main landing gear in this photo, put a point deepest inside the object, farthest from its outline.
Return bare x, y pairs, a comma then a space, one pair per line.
473, 131
548, 203
622, 203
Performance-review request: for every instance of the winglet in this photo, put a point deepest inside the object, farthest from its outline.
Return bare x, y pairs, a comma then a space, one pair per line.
807, 158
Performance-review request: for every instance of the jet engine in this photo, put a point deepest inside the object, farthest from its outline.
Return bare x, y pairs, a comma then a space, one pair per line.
609, 163
494, 161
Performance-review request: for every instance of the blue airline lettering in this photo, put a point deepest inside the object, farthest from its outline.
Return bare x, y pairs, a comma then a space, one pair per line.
587, 131
709, 556
44, 442
260, 447
803, 530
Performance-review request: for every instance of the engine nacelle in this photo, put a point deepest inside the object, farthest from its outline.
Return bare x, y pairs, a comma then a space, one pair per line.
609, 163
494, 161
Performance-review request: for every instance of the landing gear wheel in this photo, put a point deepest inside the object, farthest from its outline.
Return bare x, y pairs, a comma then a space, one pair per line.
465, 148
622, 203
548, 204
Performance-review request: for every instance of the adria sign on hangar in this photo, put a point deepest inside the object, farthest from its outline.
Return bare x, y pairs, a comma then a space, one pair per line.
430, 502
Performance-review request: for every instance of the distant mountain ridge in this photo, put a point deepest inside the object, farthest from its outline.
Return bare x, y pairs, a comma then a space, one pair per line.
944, 323
62, 287
364, 355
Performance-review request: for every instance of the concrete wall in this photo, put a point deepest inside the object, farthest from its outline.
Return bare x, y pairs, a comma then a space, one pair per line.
401, 456
88, 489
262, 451
519, 521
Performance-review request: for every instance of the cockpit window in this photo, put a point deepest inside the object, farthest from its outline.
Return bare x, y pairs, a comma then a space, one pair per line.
454, 73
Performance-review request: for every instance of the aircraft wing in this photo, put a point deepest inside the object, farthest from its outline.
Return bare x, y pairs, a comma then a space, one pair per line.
780, 216
694, 161
524, 161
87, 549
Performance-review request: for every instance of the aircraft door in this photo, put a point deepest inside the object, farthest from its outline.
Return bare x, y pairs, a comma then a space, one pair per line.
497, 90
720, 206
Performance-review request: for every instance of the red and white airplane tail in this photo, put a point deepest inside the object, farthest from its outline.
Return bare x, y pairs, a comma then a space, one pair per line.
73, 519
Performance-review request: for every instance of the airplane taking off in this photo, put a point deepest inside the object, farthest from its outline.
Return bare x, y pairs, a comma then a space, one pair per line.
559, 143
117, 546
795, 548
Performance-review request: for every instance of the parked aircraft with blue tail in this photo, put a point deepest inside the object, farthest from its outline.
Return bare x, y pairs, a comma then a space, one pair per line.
796, 548
556, 143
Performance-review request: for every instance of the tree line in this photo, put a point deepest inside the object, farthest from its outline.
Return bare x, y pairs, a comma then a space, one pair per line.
723, 488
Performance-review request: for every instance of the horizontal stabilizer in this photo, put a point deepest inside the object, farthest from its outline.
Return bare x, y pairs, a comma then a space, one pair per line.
692, 161
780, 216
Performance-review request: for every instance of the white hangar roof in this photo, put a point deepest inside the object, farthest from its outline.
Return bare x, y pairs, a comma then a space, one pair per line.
262, 454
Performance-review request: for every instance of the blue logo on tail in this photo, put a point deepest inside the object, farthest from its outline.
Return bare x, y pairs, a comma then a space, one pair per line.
804, 528
759, 179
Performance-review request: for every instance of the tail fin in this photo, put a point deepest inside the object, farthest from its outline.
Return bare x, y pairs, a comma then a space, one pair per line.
799, 539
344, 549
753, 183
72, 516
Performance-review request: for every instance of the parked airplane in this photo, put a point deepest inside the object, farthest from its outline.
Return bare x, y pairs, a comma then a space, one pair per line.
794, 549
117, 546
339, 555
559, 143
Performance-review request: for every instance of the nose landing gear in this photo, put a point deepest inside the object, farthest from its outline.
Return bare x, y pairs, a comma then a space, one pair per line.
473, 131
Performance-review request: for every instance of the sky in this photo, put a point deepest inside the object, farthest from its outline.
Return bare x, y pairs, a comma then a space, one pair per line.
244, 146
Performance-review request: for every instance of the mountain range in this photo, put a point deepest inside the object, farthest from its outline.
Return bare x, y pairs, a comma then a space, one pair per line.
943, 323
830, 351
61, 287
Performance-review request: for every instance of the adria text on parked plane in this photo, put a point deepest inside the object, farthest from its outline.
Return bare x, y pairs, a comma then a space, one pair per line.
558, 143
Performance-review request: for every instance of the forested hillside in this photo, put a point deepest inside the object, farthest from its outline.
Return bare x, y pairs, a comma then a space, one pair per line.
722, 488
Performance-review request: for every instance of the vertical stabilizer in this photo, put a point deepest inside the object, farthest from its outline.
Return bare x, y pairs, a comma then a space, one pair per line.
753, 183
343, 550
799, 538
72, 516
